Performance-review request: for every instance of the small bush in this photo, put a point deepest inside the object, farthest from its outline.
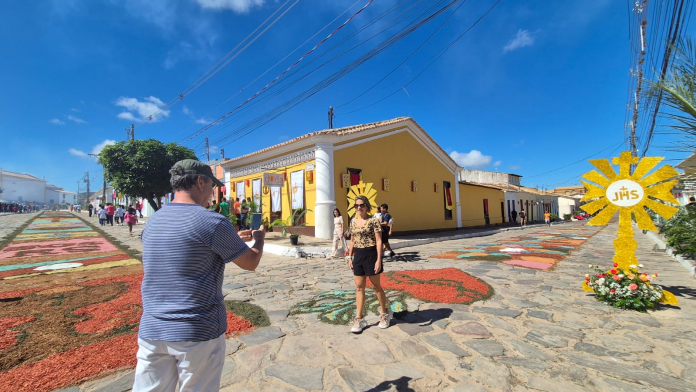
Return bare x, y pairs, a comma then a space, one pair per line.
680, 232
567, 216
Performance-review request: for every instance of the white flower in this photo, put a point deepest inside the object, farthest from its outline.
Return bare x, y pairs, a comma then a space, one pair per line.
640, 265
633, 266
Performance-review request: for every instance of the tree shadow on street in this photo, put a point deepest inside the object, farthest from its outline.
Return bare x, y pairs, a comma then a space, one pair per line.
405, 256
401, 384
681, 291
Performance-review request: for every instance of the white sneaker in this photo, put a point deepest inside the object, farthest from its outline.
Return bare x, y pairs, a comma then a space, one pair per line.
358, 325
387, 253
385, 319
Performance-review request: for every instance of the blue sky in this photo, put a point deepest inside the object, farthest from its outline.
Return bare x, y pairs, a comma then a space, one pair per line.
534, 87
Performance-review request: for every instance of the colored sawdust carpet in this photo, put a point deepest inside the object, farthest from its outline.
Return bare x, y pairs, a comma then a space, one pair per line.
447, 285
56, 333
539, 251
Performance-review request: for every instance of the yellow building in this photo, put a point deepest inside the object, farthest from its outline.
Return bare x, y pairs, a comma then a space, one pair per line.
409, 170
484, 204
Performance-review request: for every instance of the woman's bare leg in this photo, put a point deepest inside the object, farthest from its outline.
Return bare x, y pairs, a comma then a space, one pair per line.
379, 291
360, 295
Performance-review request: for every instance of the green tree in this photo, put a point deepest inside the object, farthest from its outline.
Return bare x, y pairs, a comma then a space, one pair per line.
678, 92
140, 168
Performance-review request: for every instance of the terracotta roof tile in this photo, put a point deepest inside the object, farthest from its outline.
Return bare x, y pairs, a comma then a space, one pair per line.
340, 132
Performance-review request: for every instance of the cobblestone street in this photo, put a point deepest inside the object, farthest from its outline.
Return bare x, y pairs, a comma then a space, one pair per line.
538, 332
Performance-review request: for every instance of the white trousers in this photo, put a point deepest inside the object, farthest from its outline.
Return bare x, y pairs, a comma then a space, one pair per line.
196, 366
338, 237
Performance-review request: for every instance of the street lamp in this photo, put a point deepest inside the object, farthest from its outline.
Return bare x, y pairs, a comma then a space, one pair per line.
104, 187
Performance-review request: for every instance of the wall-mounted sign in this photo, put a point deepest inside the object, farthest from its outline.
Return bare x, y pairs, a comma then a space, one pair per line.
310, 166
273, 179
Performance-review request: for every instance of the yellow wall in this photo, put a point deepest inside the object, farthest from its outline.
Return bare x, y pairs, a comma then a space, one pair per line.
472, 196
401, 159
309, 188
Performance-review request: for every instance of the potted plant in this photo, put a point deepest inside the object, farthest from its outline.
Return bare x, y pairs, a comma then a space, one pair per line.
290, 223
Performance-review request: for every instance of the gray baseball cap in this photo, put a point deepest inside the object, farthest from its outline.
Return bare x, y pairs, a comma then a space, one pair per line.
193, 166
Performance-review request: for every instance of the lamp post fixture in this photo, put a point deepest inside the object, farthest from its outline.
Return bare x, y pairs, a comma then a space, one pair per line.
104, 187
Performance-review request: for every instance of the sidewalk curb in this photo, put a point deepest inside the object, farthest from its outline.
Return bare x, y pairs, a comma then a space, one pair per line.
690, 265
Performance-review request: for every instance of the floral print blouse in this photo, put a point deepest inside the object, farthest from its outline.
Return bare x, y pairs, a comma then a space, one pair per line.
364, 237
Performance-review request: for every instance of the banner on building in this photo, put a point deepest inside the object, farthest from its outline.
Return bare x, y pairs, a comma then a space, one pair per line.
256, 192
297, 189
275, 199
273, 179
240, 191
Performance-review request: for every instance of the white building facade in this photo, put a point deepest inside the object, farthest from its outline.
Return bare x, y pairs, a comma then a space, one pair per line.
26, 188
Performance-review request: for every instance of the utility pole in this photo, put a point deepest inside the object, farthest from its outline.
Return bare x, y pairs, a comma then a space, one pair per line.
78, 192
86, 180
331, 116
207, 150
132, 132
222, 153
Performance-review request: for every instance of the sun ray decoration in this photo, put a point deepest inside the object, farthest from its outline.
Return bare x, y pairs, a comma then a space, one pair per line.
629, 194
361, 189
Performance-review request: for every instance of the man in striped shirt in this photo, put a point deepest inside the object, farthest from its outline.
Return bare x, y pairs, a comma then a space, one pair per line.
181, 337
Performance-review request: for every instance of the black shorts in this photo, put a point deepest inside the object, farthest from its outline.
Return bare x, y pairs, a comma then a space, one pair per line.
385, 237
364, 260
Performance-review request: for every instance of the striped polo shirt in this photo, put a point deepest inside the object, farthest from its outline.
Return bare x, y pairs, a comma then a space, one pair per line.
185, 248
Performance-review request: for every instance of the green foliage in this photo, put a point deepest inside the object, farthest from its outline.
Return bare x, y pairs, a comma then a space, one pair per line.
140, 168
567, 216
554, 217
233, 219
249, 312
678, 93
680, 232
291, 222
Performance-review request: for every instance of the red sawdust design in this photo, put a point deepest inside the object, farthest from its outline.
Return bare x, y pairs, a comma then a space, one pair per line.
236, 324
107, 316
447, 285
8, 338
69, 367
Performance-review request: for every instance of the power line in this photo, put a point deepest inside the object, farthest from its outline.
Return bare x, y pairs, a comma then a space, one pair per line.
431, 61
274, 113
281, 74
616, 146
217, 67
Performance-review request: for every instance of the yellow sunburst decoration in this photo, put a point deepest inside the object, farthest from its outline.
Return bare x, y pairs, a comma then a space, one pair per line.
361, 189
629, 194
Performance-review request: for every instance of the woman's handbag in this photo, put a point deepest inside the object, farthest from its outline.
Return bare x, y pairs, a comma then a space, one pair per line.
346, 235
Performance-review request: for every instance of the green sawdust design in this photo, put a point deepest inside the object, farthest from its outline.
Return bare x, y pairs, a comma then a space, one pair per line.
459, 286
338, 306
252, 313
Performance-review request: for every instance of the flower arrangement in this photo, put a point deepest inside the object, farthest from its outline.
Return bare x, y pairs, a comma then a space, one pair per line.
624, 289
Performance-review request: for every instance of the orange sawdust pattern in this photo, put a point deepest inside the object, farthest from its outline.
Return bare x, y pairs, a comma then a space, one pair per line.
69, 367
8, 338
236, 324
107, 316
447, 285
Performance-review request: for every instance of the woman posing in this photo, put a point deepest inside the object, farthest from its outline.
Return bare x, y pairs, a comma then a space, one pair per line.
366, 261
338, 234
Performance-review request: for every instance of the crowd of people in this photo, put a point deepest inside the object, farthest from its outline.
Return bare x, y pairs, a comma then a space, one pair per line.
18, 208
109, 213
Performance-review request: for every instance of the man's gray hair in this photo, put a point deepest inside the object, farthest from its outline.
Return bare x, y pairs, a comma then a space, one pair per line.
182, 180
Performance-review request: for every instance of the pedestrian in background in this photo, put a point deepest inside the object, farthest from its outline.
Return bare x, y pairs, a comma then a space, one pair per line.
110, 211
224, 207
120, 212
90, 209
131, 219
365, 259
547, 218
102, 215
386, 222
238, 213
523, 218
139, 208
337, 235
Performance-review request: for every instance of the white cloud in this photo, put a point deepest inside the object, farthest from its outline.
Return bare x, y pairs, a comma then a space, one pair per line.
95, 150
213, 149
474, 158
522, 39
497, 163
187, 111
142, 110
239, 6
77, 120
514, 167
56, 121
75, 110
77, 153
203, 121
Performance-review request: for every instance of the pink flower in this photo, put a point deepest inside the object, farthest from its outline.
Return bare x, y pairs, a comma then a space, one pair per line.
616, 265
613, 291
632, 286
616, 277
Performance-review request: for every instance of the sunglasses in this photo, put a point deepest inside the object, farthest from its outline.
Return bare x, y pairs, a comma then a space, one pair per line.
359, 205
